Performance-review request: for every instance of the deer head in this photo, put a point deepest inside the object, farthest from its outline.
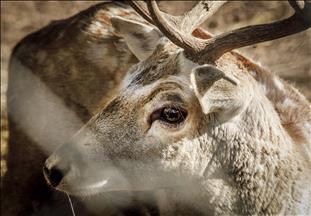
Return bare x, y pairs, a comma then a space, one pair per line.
186, 114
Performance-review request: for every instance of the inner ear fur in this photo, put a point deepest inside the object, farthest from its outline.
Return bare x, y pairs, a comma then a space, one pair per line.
140, 38
212, 96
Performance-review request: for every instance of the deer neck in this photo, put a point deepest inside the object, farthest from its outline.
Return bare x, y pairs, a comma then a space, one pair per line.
254, 153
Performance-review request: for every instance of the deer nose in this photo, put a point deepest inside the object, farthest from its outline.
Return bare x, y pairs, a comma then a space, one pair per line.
54, 174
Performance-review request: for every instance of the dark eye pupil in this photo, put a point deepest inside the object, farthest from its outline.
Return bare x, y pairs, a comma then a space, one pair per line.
171, 115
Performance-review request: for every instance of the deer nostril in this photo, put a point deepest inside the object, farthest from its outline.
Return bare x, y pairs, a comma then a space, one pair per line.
53, 175
56, 176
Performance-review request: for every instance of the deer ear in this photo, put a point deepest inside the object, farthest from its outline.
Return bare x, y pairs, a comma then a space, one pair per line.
140, 38
217, 92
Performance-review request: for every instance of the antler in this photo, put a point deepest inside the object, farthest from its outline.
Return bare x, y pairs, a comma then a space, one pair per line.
187, 22
141, 10
179, 28
300, 21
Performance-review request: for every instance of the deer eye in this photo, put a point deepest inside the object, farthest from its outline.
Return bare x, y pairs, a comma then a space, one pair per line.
169, 115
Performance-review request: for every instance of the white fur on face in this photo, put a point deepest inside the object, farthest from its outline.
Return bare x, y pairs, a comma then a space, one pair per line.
136, 92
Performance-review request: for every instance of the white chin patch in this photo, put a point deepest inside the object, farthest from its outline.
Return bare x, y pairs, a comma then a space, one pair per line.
88, 190
98, 185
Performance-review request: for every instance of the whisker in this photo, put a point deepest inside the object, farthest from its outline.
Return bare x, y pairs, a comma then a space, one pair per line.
71, 206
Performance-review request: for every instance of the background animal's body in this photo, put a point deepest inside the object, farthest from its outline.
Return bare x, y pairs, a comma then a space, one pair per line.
291, 107
38, 95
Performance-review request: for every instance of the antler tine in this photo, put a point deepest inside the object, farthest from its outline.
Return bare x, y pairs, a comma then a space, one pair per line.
187, 22
170, 30
137, 6
198, 14
217, 46
179, 28
141, 10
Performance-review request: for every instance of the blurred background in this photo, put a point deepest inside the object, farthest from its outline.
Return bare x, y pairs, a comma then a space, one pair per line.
289, 57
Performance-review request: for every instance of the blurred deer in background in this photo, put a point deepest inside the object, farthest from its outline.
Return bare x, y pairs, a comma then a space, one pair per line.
216, 133
201, 128
59, 77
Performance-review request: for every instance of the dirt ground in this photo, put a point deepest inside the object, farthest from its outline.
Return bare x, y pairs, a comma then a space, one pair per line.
289, 57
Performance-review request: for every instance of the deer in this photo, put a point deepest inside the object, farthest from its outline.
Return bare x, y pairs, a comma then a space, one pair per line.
202, 127
198, 121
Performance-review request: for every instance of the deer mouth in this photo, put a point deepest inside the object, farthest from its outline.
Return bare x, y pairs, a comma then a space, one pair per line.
88, 189
89, 183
